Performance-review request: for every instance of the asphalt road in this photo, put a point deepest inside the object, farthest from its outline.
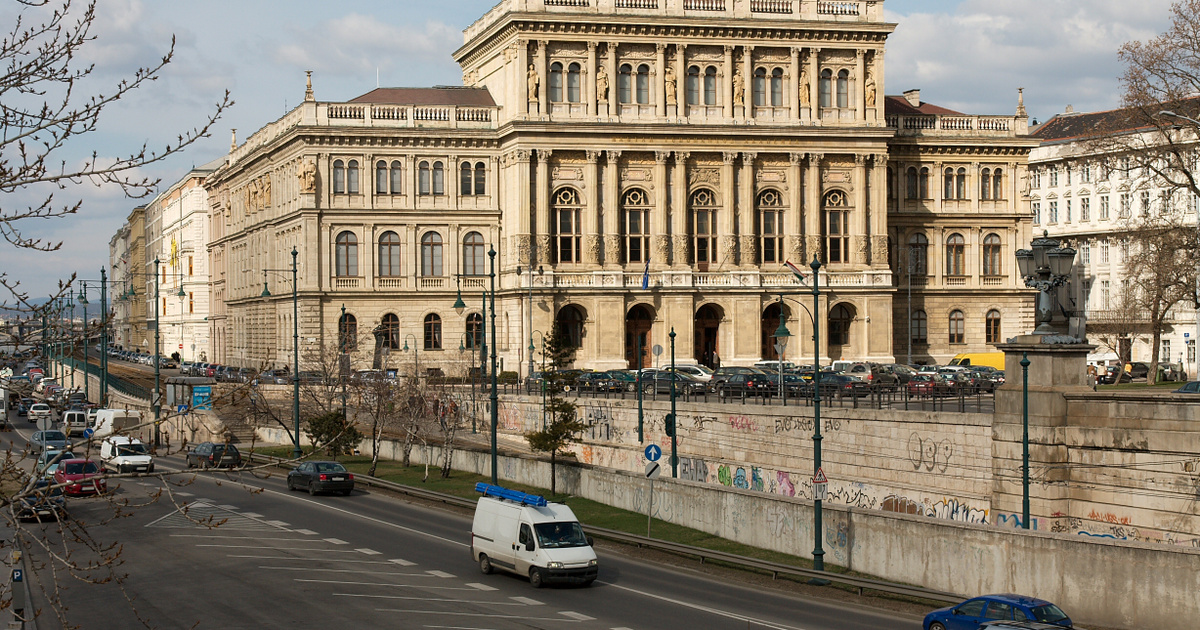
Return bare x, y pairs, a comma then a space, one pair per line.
250, 554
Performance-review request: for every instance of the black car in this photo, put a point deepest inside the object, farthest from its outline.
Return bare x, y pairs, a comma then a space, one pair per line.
724, 373
321, 477
1113, 375
312, 377
1139, 369
659, 381
596, 382
1189, 388
834, 384
212, 455
23, 406
43, 503
624, 379
746, 384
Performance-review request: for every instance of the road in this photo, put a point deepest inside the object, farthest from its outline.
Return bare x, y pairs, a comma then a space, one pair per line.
285, 559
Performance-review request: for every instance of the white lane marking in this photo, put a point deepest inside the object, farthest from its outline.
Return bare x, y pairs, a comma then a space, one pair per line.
183, 494
270, 548
251, 514
278, 523
621, 628
576, 616
458, 628
336, 541
272, 539
527, 601
402, 562
721, 613
144, 484
306, 532
466, 614
441, 574
426, 599
302, 559
369, 552
482, 587
378, 521
228, 507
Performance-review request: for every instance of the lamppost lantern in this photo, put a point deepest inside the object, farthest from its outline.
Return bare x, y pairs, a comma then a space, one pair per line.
1061, 260
1047, 268
1025, 262
1041, 249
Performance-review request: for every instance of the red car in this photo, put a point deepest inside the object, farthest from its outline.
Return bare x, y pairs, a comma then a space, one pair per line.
81, 476
929, 385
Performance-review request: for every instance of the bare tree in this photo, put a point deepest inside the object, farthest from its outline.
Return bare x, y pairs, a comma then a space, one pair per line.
1117, 328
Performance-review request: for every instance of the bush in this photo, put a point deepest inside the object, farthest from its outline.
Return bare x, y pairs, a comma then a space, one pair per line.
507, 377
333, 434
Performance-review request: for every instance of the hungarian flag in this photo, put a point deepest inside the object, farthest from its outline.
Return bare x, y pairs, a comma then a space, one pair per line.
646, 276
795, 270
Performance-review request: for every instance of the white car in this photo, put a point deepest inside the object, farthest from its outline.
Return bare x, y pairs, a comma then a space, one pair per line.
39, 412
698, 371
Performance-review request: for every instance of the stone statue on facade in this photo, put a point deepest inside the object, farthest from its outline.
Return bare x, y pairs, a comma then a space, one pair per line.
534, 82
307, 176
870, 96
672, 85
739, 88
602, 84
805, 89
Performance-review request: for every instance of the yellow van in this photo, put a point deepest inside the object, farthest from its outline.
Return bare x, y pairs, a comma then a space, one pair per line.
975, 359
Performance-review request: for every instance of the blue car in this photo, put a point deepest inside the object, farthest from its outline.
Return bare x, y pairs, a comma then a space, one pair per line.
973, 613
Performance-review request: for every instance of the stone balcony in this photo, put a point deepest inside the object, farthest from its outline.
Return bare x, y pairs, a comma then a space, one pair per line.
943, 125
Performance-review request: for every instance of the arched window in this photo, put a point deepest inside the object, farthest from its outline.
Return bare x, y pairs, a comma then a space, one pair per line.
346, 264
891, 183
625, 84
825, 88
777, 87
474, 331
352, 177
919, 328
423, 178
710, 85
918, 252
348, 333
439, 179
992, 265
431, 254
390, 331
480, 178
948, 184
997, 184
381, 178
570, 322
958, 327
573, 83
992, 326
473, 254
389, 255
985, 184
704, 227
643, 84
923, 183
556, 82
692, 88
636, 205
961, 184
567, 215
770, 226
955, 250
843, 89
760, 87
397, 176
837, 227
910, 183
339, 177
840, 319
433, 332
464, 179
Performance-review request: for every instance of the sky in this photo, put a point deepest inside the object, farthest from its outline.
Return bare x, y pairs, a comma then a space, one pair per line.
967, 55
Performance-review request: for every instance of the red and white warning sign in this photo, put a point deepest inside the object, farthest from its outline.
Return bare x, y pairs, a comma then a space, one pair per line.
820, 485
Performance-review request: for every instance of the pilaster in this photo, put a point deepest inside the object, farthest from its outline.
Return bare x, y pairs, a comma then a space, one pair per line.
612, 220
661, 242
591, 212
748, 249
679, 200
543, 228
728, 220
812, 210
589, 81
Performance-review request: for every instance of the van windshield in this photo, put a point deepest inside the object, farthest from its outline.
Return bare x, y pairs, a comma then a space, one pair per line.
558, 535
136, 448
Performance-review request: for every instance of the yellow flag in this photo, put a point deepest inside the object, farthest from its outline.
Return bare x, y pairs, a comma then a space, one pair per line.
174, 252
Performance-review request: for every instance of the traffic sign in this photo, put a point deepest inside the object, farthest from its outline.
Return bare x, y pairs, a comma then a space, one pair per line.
87, 433
820, 485
657, 349
18, 575
181, 346
820, 476
653, 470
653, 452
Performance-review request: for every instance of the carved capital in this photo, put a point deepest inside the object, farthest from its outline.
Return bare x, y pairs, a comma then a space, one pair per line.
662, 156
660, 48
728, 50
593, 156
591, 249
613, 156
796, 50
749, 250
796, 159
591, 46
814, 159
612, 249
681, 157
812, 246
544, 155
520, 155
728, 247
729, 157
880, 159
860, 159
543, 249
879, 249
661, 247
522, 247
681, 250
748, 158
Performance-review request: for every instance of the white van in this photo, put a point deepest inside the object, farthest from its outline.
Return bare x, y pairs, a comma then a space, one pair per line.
110, 421
122, 454
74, 422
524, 534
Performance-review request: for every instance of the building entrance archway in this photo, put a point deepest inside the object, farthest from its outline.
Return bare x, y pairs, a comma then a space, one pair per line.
707, 329
769, 324
841, 321
638, 323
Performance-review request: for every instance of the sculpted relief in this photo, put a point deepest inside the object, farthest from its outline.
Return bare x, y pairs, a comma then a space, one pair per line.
307, 175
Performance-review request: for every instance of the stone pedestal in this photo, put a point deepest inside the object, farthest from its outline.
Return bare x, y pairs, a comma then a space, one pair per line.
1054, 370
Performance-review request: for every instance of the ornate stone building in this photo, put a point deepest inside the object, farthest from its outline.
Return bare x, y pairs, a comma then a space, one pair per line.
639, 166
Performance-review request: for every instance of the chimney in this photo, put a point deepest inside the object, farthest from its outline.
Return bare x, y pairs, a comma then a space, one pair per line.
913, 97
1021, 111
1070, 109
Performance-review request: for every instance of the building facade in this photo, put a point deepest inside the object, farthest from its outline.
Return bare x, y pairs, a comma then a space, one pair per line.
643, 170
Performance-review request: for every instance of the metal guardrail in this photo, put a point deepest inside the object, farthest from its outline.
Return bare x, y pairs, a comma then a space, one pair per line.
774, 568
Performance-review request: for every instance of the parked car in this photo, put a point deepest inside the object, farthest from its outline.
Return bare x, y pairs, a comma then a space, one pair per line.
312, 377
929, 385
80, 476
43, 503
1137, 369
1189, 388
873, 375
625, 378
1018, 625
283, 377
212, 455
902, 372
1113, 375
597, 382
745, 384
185, 368
838, 385
166, 363
973, 612
698, 371
659, 381
321, 477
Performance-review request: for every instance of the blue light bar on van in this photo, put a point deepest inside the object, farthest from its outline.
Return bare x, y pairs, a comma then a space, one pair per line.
515, 496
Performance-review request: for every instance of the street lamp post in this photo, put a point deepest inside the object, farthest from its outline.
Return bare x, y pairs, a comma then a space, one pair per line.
818, 552
416, 356
674, 417
297, 452
495, 397
531, 348
540, 271
1046, 267
637, 382
781, 341
343, 359
1025, 440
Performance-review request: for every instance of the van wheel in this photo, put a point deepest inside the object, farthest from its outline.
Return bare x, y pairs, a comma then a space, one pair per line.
485, 565
937, 626
535, 577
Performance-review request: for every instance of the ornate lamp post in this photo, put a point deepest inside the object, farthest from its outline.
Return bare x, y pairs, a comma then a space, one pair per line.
1046, 267
782, 334
296, 451
416, 356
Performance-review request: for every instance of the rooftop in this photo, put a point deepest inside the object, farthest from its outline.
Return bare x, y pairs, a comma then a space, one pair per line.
1074, 126
437, 95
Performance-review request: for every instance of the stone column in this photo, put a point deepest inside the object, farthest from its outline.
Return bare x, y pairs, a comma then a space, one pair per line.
681, 80
659, 73
679, 185
973, 186
523, 247
659, 236
727, 81
543, 63
614, 107
748, 252
520, 80
543, 228
452, 188
937, 184
812, 210
878, 215
612, 211
860, 82
410, 180
877, 66
793, 225
728, 223
814, 83
858, 227
794, 84
591, 212
748, 84
589, 79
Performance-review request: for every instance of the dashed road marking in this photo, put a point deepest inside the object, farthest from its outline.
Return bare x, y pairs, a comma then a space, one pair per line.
228, 507
183, 494
251, 514
268, 547
303, 559
402, 562
482, 587
570, 614
422, 598
527, 601
441, 574
490, 615
278, 523
369, 552
336, 541
306, 532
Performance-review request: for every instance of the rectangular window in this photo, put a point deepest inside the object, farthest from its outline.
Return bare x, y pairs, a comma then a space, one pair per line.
1165, 354
1105, 294
1145, 207
1053, 212
837, 231
189, 265
1087, 252
1103, 252
1053, 176
1126, 205
569, 236
1037, 212
1068, 209
1191, 350
1086, 175
1068, 174
191, 302
1087, 296
1104, 207
1085, 209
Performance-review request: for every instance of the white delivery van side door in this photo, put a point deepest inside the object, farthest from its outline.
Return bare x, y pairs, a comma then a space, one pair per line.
525, 549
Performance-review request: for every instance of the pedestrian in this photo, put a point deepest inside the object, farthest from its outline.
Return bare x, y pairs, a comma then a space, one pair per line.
716, 360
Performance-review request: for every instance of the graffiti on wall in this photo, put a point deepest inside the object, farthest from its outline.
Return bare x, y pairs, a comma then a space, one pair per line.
945, 508
799, 425
928, 453
693, 469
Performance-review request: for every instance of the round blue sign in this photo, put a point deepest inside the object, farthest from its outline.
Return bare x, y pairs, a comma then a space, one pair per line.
87, 433
653, 452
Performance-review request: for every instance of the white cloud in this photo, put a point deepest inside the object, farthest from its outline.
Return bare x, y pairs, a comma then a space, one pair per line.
974, 57
359, 43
